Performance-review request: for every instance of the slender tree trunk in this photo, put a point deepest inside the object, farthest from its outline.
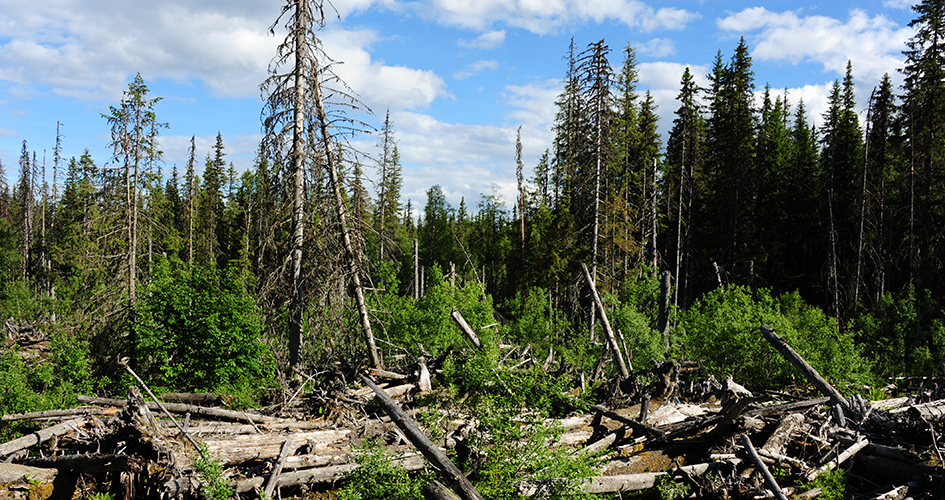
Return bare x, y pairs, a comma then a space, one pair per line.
679, 212
298, 181
353, 252
859, 245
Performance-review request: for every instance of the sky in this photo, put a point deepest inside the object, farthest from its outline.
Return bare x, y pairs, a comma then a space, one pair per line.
458, 77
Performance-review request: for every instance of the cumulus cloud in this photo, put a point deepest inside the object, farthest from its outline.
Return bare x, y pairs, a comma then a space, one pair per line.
8, 132
899, 4
476, 68
873, 44
90, 53
490, 40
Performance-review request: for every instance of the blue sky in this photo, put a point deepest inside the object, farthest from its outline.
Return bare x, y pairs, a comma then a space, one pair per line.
458, 76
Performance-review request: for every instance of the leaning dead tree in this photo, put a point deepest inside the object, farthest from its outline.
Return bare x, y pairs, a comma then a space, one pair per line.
300, 130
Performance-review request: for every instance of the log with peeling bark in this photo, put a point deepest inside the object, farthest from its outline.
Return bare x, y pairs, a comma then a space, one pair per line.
779, 439
234, 450
197, 411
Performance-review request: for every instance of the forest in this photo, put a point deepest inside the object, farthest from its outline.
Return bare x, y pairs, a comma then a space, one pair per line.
746, 214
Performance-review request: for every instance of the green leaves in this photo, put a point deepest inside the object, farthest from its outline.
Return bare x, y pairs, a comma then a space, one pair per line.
199, 328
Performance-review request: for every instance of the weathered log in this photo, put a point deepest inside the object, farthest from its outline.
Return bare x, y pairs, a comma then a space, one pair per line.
778, 440
805, 368
424, 382
611, 338
765, 473
843, 457
50, 414
288, 448
440, 461
318, 475
40, 436
623, 482
436, 491
90, 463
233, 450
196, 411
194, 398
467, 330
770, 411
933, 411
897, 493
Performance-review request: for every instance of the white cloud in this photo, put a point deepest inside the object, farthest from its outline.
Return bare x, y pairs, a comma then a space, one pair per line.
8, 132
899, 4
544, 17
657, 47
874, 44
490, 40
90, 52
476, 68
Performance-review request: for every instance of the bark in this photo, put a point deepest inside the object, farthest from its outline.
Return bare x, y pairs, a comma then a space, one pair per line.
467, 330
234, 450
777, 442
802, 366
40, 436
629, 422
769, 479
288, 448
448, 471
298, 179
91, 463
200, 398
611, 339
49, 414
238, 416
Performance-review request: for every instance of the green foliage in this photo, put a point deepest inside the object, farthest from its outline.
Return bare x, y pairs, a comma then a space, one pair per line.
427, 321
515, 447
670, 489
213, 484
378, 478
904, 333
199, 328
102, 496
35, 384
833, 485
722, 330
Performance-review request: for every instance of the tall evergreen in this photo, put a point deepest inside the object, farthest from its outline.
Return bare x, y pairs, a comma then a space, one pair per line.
924, 110
730, 176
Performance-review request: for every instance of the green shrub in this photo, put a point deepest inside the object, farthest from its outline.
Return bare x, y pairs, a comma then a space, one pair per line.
378, 478
722, 331
199, 329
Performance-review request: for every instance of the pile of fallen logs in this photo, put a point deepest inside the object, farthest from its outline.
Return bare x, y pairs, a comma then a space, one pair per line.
715, 440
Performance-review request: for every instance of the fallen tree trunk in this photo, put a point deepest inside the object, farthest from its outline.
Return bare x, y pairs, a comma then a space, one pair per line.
444, 466
40, 436
239, 416
611, 338
805, 368
91, 463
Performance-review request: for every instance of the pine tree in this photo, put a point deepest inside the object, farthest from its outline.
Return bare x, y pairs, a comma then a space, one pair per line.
924, 110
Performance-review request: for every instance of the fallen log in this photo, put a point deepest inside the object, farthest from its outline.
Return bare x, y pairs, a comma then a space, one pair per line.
778, 440
611, 338
194, 398
91, 463
440, 461
467, 330
805, 368
319, 475
40, 436
765, 473
234, 450
288, 448
49, 414
629, 422
843, 457
623, 482
202, 411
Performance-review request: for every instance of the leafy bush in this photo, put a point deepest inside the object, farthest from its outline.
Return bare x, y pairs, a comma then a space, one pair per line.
200, 329
427, 320
378, 478
722, 331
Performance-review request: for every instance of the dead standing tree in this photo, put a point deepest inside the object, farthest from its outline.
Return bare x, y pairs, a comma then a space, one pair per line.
299, 131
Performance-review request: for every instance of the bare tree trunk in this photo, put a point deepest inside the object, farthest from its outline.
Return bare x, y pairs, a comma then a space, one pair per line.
298, 181
353, 252
859, 246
